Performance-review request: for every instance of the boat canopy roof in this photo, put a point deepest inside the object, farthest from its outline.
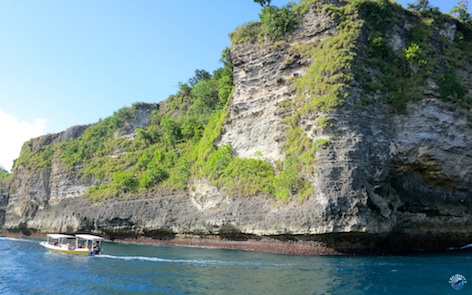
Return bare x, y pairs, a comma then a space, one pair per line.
89, 237
59, 236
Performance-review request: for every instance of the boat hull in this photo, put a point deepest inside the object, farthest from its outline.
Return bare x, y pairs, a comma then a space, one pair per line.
58, 249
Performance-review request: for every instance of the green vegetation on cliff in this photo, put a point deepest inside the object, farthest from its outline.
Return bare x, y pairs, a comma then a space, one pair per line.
36, 154
179, 143
428, 58
3, 173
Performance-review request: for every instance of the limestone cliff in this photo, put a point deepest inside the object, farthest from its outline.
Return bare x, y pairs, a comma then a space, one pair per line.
383, 179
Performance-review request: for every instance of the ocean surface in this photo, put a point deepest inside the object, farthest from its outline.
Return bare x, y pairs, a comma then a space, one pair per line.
28, 268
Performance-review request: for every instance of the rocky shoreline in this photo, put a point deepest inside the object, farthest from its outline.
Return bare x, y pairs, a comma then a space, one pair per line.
260, 245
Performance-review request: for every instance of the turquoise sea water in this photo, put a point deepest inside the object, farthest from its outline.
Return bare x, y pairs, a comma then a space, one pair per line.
27, 268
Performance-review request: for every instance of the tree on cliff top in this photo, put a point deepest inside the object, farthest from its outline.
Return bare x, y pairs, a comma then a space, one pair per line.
422, 6
263, 3
460, 11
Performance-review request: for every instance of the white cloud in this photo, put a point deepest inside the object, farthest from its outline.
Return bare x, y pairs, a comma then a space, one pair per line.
13, 133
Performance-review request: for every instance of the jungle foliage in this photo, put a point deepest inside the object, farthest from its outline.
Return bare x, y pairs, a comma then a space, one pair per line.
179, 143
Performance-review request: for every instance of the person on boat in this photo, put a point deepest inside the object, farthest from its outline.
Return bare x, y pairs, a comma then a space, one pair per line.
56, 243
69, 246
96, 248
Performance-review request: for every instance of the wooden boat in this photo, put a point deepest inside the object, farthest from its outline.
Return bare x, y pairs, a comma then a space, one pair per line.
82, 244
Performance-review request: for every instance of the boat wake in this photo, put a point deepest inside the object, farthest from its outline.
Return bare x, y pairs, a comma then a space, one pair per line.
186, 261
460, 248
18, 239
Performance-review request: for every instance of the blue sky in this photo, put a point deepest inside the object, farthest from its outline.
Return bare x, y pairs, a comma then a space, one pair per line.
66, 63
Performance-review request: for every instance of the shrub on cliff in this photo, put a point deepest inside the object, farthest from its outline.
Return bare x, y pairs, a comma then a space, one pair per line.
274, 23
126, 181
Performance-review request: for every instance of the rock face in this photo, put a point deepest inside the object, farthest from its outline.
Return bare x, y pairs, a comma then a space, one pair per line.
262, 77
3, 202
384, 182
